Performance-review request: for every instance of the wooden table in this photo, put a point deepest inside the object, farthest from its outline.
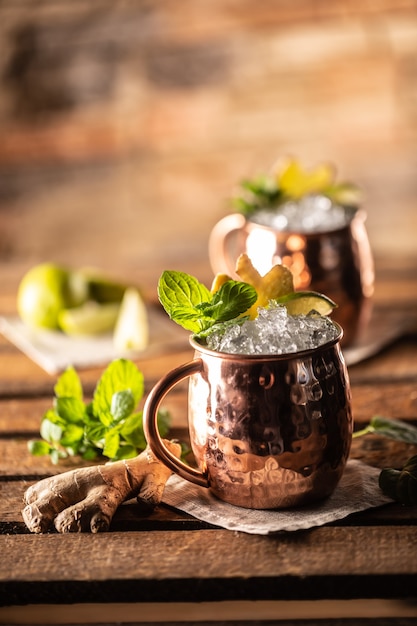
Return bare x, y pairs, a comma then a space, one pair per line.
171, 567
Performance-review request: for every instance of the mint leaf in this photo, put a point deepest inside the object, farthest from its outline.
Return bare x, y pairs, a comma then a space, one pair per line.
391, 428
191, 305
72, 437
120, 375
164, 422
181, 289
232, 299
39, 448
190, 319
394, 429
56, 455
70, 409
69, 385
111, 443
125, 451
49, 431
180, 294
105, 426
95, 432
132, 430
401, 485
122, 404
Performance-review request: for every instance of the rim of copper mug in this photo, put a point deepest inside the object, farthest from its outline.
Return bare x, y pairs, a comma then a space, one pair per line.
357, 212
268, 357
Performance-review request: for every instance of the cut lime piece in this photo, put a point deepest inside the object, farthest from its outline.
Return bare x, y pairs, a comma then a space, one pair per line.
91, 318
304, 302
46, 289
102, 288
132, 328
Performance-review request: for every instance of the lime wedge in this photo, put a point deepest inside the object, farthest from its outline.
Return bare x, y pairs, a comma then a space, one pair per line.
303, 302
90, 318
132, 328
101, 288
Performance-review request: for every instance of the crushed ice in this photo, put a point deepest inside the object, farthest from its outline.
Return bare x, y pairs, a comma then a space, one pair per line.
273, 332
310, 214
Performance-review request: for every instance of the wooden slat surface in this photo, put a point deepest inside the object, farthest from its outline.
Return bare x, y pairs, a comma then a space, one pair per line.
169, 558
225, 565
125, 128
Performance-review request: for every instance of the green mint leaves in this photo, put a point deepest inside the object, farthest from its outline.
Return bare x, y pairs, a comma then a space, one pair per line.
191, 305
400, 485
108, 426
391, 428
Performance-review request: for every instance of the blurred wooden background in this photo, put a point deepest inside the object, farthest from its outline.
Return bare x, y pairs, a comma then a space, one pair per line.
126, 125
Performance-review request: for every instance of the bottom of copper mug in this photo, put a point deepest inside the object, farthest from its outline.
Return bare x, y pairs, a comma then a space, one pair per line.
275, 487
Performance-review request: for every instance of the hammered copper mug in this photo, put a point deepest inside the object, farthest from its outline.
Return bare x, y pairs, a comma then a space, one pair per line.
267, 431
336, 262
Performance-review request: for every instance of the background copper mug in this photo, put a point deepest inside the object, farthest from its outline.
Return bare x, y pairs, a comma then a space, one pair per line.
267, 431
338, 263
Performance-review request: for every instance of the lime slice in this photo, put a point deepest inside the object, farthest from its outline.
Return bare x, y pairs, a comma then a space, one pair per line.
132, 328
101, 288
91, 318
303, 302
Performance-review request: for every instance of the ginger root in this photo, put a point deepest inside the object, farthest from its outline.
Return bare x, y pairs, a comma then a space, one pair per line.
276, 283
85, 499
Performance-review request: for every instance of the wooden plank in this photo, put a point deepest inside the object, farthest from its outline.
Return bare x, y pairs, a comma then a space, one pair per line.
130, 516
369, 612
397, 362
326, 562
391, 399
381, 452
377, 613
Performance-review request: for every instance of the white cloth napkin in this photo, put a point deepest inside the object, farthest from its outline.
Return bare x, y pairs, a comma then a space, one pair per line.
358, 490
54, 351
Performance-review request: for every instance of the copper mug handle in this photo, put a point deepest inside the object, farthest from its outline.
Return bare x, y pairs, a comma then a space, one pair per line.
150, 423
220, 237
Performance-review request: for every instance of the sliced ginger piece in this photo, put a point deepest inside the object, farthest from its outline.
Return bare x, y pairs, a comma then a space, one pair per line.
218, 281
276, 283
247, 272
297, 182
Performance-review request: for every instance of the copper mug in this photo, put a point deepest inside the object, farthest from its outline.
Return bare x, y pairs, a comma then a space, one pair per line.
338, 263
267, 431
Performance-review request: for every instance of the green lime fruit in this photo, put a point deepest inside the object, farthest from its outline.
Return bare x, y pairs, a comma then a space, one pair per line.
304, 302
90, 318
45, 290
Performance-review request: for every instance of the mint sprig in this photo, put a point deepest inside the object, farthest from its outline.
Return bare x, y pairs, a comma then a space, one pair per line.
259, 193
391, 428
108, 426
191, 305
